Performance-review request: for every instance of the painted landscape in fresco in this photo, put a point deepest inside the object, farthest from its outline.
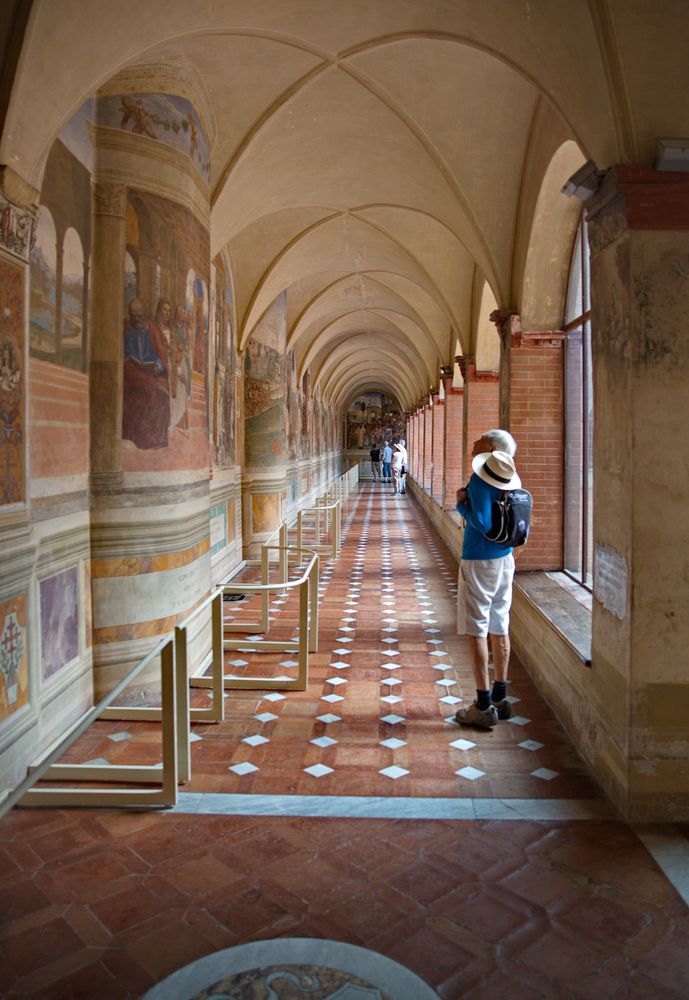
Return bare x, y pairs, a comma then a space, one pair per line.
58, 310
59, 621
372, 418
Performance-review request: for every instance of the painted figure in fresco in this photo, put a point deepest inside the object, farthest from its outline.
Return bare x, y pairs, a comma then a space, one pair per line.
9, 368
163, 330
193, 141
133, 108
146, 389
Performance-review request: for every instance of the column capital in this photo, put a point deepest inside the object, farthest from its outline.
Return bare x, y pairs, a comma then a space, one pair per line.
466, 362
635, 197
539, 338
110, 199
508, 325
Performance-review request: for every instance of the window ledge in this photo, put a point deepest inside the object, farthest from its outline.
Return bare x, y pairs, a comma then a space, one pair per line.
564, 604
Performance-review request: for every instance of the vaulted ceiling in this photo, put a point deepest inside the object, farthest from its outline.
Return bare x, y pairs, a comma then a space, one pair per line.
380, 161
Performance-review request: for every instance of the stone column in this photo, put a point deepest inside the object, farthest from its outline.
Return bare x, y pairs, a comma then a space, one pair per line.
532, 409
453, 440
638, 741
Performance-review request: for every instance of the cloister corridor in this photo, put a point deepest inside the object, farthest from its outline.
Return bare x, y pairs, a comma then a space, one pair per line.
356, 811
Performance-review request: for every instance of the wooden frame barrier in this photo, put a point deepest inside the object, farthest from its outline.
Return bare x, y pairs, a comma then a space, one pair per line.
307, 638
166, 776
324, 524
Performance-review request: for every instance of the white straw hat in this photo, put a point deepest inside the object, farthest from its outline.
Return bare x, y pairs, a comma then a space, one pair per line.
497, 469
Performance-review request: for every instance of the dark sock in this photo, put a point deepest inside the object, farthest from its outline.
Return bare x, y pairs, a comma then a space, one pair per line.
499, 690
482, 699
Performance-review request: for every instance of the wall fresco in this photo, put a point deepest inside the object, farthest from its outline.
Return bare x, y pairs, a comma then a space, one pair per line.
166, 326
14, 659
59, 599
372, 418
293, 412
265, 380
265, 512
59, 259
223, 365
12, 384
165, 118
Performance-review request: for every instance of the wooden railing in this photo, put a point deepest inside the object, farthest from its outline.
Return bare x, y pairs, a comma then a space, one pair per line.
174, 713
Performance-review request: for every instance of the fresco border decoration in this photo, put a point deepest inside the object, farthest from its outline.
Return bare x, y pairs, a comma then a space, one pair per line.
17, 228
59, 608
14, 659
12, 384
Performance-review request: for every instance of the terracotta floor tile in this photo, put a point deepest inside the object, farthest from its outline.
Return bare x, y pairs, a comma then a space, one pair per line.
546, 909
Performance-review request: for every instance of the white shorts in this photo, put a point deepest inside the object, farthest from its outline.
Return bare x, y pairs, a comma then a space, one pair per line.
484, 596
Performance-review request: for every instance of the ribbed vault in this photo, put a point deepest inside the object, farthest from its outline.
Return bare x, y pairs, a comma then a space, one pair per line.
379, 163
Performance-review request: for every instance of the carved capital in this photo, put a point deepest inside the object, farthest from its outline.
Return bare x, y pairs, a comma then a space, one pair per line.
467, 365
110, 199
508, 326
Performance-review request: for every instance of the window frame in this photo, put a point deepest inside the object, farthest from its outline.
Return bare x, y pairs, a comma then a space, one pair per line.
579, 270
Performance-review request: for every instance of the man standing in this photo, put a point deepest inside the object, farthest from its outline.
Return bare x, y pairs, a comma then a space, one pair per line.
487, 571
387, 459
405, 465
375, 462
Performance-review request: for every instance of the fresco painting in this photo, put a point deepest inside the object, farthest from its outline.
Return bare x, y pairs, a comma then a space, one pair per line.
59, 621
43, 261
372, 418
14, 658
165, 118
265, 512
12, 384
218, 528
165, 338
231, 520
72, 318
305, 443
293, 413
224, 363
265, 388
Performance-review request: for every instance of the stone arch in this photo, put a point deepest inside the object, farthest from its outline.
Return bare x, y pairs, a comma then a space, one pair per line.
550, 244
487, 339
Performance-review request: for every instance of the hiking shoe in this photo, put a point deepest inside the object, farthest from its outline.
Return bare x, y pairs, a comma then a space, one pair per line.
504, 709
478, 717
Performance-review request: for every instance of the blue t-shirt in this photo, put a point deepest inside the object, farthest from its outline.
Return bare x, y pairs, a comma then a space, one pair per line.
387, 454
477, 514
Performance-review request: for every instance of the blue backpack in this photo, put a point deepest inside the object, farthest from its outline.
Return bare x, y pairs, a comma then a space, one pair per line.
511, 518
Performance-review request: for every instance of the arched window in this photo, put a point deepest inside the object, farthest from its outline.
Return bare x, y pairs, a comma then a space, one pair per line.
579, 416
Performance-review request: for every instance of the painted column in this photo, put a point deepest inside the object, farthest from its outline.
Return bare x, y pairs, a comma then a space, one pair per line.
18, 688
532, 409
639, 738
150, 450
265, 428
109, 214
453, 473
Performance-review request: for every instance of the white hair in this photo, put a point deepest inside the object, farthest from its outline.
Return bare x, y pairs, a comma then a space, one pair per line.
501, 440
